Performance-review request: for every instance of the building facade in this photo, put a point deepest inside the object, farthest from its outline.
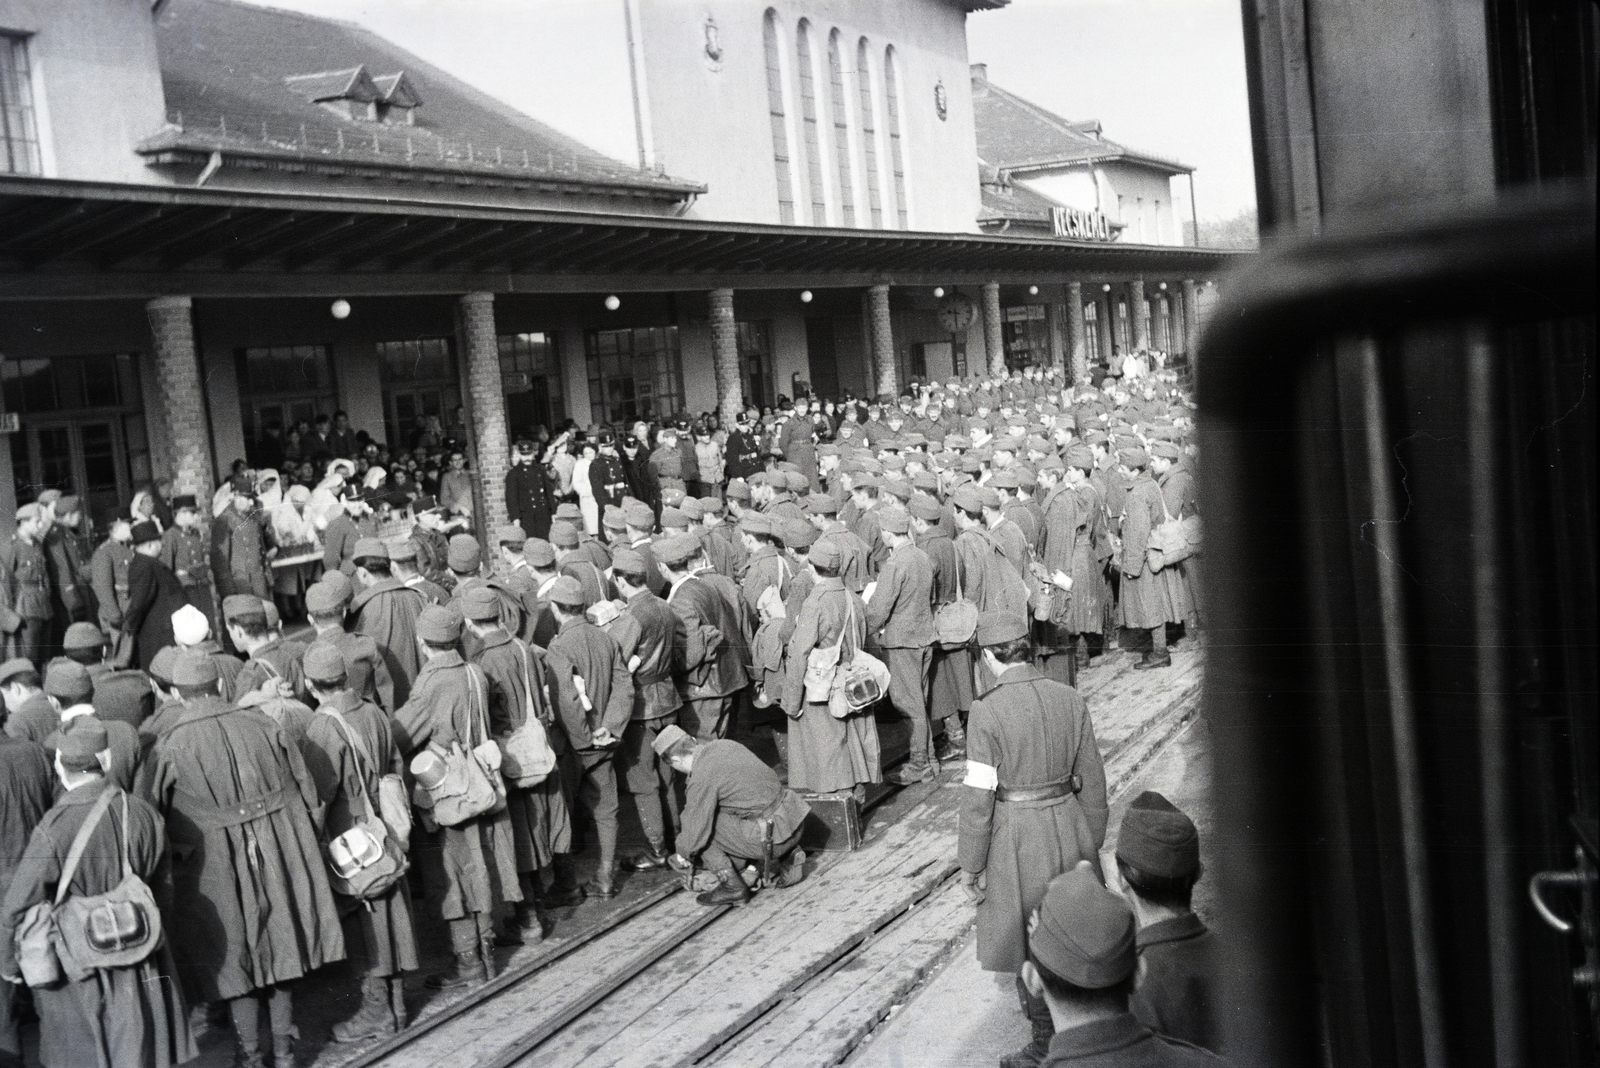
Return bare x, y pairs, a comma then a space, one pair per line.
171, 258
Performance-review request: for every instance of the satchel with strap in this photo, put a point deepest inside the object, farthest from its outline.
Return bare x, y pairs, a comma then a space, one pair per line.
366, 861
463, 783
957, 622
1169, 543
116, 929
526, 757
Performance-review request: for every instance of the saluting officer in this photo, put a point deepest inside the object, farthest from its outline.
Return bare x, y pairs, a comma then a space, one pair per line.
1034, 801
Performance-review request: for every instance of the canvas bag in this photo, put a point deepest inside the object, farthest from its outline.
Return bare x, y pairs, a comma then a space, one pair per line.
116, 929
366, 861
463, 783
526, 758
956, 623
1169, 543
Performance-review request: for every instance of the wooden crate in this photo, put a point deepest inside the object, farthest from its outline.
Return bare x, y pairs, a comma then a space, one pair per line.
835, 823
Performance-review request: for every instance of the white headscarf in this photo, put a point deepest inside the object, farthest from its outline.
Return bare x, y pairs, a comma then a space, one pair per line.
268, 488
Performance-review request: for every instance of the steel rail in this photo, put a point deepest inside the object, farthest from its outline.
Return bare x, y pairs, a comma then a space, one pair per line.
508, 979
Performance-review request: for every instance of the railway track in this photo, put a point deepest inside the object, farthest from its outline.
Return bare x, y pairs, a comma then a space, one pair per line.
781, 981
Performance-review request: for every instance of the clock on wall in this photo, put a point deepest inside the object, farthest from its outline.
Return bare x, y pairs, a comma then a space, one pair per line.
956, 313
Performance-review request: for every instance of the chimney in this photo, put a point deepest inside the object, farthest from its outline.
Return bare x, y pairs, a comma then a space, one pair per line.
980, 74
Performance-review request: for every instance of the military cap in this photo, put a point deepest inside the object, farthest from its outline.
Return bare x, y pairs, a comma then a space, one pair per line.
538, 552
612, 518
825, 552
898, 488
995, 628
566, 591
80, 744
713, 505
439, 625
738, 490
867, 480
511, 534
913, 440
677, 550
1009, 443
404, 549
190, 625
670, 736
1051, 463
370, 549
822, 504
242, 606
1085, 933
673, 519
83, 636
1127, 441
926, 481
760, 478
1095, 437
1025, 476
894, 520
184, 500
957, 442
480, 603
68, 680
924, 507
988, 497
1158, 839
672, 493
143, 533
1166, 450
797, 482
161, 664
693, 510
465, 554
341, 584
968, 498
971, 464
798, 534
1037, 444
1006, 479
629, 561
274, 620
827, 449
1081, 457
755, 523
193, 668
323, 663
639, 516
68, 504
322, 597
569, 512
14, 667
1132, 458
563, 536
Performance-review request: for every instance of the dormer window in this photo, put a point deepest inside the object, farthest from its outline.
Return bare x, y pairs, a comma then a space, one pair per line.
355, 95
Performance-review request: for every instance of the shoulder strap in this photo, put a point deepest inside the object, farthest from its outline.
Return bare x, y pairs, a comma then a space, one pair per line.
527, 680
81, 841
1162, 495
479, 708
358, 749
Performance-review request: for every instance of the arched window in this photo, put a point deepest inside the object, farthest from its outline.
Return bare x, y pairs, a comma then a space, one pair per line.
841, 133
891, 95
808, 118
869, 135
780, 129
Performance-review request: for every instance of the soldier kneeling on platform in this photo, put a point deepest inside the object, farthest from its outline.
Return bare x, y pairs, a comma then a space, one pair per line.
735, 811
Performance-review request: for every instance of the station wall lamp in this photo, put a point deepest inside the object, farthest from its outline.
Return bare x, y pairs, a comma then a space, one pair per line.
340, 309
1033, 291
805, 296
938, 292
1106, 287
613, 302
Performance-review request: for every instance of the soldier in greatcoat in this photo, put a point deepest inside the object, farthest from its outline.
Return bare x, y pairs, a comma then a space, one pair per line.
25, 593
519, 688
729, 798
154, 594
70, 689
248, 875
108, 577
1034, 799
367, 671
30, 715
1079, 971
1178, 493
268, 657
349, 747
27, 785
1144, 601
403, 566
191, 631
74, 599
470, 869
900, 621
593, 695
386, 610
1158, 864
433, 545
950, 670
714, 666
121, 694
649, 655
133, 1015
828, 754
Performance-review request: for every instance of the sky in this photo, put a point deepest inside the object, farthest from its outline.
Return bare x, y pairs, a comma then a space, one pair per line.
1163, 76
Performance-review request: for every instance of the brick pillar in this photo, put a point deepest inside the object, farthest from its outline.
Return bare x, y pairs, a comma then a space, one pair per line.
1141, 315
486, 406
725, 357
880, 331
1077, 353
993, 338
1191, 323
181, 398
1108, 324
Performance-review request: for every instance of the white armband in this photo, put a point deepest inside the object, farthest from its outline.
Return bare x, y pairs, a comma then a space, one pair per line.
982, 776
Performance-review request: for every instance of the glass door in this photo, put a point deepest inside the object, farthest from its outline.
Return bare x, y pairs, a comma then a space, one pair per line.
84, 457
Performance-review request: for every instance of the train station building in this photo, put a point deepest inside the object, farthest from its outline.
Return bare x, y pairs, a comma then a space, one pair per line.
224, 237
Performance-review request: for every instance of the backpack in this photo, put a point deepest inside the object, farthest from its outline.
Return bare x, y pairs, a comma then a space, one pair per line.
77, 936
366, 861
526, 758
463, 783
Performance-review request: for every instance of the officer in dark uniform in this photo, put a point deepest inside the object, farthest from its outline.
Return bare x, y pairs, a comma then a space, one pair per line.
1033, 805
529, 497
1081, 963
1158, 863
108, 577
25, 598
184, 550
730, 797
124, 695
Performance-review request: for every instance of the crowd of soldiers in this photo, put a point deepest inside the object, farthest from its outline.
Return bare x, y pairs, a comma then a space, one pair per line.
966, 549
